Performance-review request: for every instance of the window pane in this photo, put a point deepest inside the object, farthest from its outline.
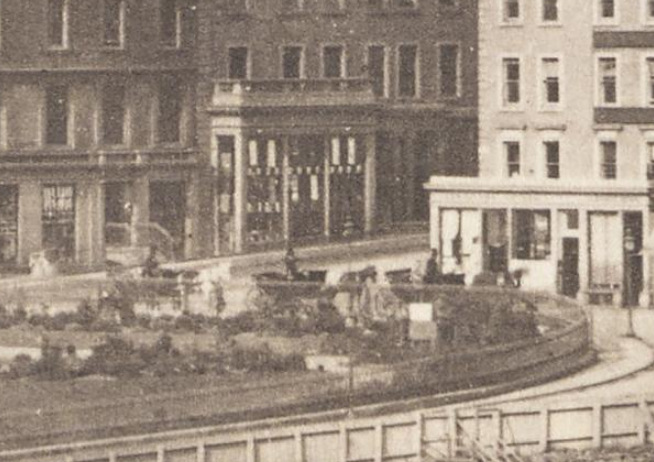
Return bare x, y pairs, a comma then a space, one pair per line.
407, 70
377, 69
57, 22
292, 63
333, 62
531, 234
550, 10
170, 111
113, 114
112, 20
609, 159
238, 63
449, 56
511, 9
56, 115
511, 80
168, 18
608, 8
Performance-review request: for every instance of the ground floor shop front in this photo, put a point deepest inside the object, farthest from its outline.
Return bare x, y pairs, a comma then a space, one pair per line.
76, 217
586, 242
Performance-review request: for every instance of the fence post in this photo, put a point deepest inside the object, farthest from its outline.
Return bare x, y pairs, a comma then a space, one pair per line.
201, 456
379, 441
452, 438
597, 425
418, 435
161, 456
250, 450
343, 443
644, 426
299, 453
544, 430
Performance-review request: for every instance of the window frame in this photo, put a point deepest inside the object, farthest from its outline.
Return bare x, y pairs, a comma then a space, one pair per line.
505, 137
599, 87
282, 49
647, 19
458, 67
177, 43
68, 119
387, 77
504, 20
544, 145
122, 18
343, 63
547, 22
248, 61
601, 21
519, 105
543, 104
603, 137
125, 124
181, 122
532, 213
647, 80
417, 82
65, 26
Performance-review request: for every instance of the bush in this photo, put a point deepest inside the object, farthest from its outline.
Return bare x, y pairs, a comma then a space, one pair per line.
185, 322
144, 321
245, 321
21, 366
6, 319
116, 357
105, 325
86, 314
328, 319
51, 365
20, 315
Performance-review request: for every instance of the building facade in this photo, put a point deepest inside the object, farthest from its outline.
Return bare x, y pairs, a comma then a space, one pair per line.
565, 143
325, 118
97, 129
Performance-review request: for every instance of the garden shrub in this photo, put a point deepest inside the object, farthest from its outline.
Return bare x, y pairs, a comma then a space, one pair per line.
20, 314
6, 319
86, 313
51, 365
21, 366
116, 356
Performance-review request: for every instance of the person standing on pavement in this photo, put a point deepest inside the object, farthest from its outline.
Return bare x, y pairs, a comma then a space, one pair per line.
432, 271
290, 262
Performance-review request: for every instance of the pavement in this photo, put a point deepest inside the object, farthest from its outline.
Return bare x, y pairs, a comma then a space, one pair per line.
625, 366
65, 292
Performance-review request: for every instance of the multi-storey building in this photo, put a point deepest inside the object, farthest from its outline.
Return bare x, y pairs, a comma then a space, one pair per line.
97, 128
326, 117
566, 139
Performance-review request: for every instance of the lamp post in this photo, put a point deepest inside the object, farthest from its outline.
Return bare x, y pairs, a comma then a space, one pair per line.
629, 246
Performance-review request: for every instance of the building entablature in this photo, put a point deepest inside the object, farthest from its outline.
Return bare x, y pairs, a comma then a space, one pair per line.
530, 186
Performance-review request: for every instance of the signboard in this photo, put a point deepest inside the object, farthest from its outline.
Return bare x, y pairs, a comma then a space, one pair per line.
421, 312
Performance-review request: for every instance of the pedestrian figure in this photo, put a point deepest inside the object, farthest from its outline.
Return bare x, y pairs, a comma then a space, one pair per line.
151, 265
432, 270
290, 261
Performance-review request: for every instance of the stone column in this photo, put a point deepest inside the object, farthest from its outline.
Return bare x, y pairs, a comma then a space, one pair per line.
408, 160
286, 203
240, 192
584, 257
370, 184
140, 200
327, 185
96, 224
192, 212
434, 224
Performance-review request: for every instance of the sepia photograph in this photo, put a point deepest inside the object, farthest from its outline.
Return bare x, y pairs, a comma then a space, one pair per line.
326, 230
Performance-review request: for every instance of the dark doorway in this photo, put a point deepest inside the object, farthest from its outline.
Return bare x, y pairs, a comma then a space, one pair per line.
570, 267
495, 240
168, 210
306, 184
633, 260
116, 214
8, 224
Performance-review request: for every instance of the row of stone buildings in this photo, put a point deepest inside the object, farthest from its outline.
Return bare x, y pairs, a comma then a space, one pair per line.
566, 150
213, 127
